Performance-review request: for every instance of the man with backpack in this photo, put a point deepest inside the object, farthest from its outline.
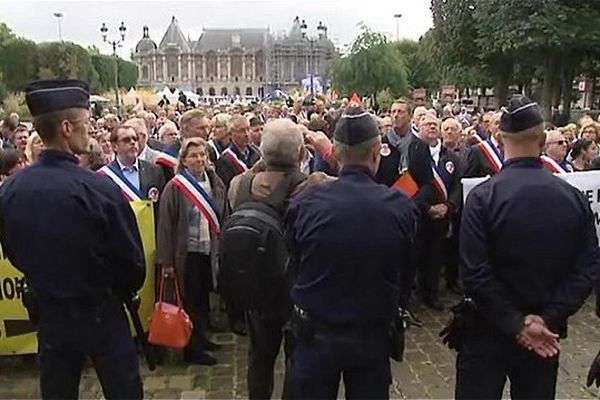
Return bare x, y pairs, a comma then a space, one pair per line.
254, 259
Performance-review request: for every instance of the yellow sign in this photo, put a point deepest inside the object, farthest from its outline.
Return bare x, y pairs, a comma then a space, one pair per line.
18, 336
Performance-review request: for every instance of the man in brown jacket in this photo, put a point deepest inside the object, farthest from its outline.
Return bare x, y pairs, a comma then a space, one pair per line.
283, 150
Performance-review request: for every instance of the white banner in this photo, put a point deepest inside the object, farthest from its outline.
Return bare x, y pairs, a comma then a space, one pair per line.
587, 182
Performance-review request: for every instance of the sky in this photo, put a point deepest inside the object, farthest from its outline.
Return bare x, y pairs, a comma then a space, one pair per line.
82, 19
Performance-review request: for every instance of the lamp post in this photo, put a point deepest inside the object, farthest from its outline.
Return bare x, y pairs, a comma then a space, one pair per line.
58, 16
115, 43
303, 30
398, 16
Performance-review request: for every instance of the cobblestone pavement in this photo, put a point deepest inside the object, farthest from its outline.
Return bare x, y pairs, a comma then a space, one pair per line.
428, 370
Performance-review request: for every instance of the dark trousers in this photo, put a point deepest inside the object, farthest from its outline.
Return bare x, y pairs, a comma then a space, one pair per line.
485, 360
411, 269
197, 280
265, 334
452, 258
361, 359
66, 342
431, 258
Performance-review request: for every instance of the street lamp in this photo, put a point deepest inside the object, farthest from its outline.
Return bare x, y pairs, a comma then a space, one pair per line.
58, 16
115, 43
303, 31
398, 16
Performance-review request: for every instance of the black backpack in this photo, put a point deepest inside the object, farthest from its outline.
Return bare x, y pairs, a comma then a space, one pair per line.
253, 257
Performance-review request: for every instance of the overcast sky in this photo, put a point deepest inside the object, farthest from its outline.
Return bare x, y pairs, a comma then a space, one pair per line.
82, 19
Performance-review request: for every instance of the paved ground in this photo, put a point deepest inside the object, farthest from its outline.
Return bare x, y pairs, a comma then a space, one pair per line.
428, 371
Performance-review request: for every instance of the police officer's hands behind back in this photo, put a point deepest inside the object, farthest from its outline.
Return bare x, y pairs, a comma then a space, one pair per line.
535, 336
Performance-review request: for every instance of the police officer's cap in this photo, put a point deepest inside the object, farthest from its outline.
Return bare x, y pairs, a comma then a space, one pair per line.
48, 96
521, 114
355, 126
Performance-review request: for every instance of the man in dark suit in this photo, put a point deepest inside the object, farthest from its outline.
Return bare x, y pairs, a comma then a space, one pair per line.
239, 156
486, 158
138, 179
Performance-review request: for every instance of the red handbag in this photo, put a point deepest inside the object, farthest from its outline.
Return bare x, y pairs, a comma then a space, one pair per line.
170, 325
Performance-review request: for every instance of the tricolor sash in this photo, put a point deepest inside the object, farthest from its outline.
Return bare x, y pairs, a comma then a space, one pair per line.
167, 158
552, 165
230, 154
438, 181
198, 196
478, 139
115, 174
492, 155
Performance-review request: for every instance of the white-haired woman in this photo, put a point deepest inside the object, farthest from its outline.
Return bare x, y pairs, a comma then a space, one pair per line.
33, 148
187, 241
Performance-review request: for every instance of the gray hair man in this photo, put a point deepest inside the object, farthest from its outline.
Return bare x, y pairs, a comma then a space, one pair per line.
283, 150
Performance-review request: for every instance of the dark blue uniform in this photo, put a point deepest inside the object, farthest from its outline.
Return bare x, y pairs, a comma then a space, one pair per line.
75, 238
529, 246
350, 240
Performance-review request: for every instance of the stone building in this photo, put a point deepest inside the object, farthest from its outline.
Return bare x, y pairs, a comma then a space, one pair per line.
230, 62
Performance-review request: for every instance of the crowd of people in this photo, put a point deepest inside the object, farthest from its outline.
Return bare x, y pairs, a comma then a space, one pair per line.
340, 218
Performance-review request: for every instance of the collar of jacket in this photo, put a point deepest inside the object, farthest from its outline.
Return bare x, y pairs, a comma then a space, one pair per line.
50, 155
523, 162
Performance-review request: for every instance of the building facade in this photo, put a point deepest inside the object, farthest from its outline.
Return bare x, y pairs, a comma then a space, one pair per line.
233, 62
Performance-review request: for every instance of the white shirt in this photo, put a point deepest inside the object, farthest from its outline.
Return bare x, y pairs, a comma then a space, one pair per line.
435, 152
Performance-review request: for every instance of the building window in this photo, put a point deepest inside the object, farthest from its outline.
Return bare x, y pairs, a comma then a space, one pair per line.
199, 91
223, 91
236, 78
237, 91
248, 91
145, 73
211, 91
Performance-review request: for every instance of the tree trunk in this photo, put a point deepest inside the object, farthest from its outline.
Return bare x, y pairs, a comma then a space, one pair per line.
502, 69
567, 91
549, 74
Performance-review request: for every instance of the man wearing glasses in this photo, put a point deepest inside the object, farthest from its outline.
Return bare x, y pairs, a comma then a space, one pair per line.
138, 179
555, 153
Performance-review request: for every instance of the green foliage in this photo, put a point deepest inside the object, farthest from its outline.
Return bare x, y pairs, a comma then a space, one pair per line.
18, 63
105, 66
62, 60
373, 64
3, 92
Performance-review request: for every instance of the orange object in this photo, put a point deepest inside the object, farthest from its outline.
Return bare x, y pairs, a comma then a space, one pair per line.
170, 325
407, 184
354, 101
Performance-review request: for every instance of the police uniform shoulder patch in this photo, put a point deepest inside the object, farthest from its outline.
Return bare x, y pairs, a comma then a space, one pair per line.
450, 167
385, 150
153, 194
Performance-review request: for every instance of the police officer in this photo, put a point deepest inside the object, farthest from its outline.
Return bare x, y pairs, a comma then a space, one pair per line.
528, 264
74, 236
350, 239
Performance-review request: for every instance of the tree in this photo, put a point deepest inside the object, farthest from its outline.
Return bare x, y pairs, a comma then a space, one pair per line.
372, 65
18, 63
66, 60
105, 66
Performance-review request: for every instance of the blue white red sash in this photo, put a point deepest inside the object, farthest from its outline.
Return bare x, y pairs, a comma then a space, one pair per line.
115, 174
230, 154
552, 165
198, 196
167, 158
492, 155
438, 182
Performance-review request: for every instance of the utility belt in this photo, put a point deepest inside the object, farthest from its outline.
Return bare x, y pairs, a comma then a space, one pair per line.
305, 326
80, 308
465, 319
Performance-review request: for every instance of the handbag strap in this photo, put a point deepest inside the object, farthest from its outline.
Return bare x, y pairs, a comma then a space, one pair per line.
161, 290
